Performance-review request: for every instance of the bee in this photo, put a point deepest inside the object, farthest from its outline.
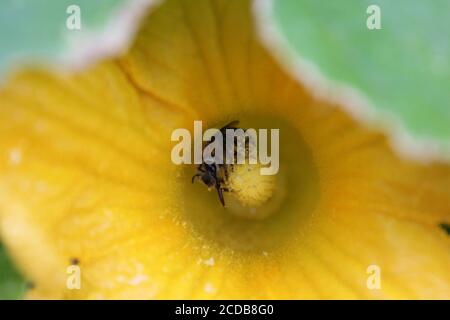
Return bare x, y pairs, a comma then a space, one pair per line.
214, 175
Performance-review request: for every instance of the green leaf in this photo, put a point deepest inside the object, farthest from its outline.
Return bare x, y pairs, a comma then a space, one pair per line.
12, 285
401, 72
36, 32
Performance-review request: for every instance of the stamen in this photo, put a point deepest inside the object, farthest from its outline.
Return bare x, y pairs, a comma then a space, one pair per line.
247, 184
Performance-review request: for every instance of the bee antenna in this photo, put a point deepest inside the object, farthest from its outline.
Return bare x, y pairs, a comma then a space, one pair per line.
195, 176
231, 125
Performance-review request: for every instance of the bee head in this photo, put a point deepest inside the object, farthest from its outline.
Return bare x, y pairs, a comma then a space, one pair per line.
207, 174
208, 179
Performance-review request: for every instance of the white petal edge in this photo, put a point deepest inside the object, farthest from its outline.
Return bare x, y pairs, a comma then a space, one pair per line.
112, 40
353, 101
90, 46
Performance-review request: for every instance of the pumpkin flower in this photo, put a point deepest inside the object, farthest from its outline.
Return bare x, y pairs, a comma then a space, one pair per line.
86, 176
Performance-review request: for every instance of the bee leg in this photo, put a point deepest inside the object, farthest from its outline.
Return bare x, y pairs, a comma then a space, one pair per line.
195, 176
219, 192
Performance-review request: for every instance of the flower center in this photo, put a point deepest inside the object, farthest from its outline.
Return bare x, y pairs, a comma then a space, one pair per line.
249, 186
261, 212
251, 189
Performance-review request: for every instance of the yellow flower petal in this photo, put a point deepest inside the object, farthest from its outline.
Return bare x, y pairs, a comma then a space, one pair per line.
85, 173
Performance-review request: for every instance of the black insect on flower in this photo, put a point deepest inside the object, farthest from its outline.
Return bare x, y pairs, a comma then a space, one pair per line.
212, 174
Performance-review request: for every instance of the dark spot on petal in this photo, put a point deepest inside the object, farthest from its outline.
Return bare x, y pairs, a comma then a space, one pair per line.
75, 261
445, 227
29, 285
